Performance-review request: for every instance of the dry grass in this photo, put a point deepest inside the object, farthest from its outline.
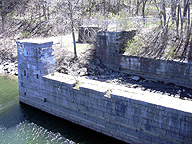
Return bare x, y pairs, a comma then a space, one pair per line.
65, 43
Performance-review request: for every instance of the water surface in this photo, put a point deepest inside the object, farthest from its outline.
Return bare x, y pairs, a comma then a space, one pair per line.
22, 124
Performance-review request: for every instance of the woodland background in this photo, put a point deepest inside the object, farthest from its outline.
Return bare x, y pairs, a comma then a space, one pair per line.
168, 37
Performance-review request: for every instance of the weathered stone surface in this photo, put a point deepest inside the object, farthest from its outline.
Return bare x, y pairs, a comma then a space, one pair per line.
158, 70
97, 62
135, 78
83, 71
124, 113
110, 45
92, 66
101, 71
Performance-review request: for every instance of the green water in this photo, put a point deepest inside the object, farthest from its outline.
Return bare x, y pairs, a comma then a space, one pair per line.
22, 124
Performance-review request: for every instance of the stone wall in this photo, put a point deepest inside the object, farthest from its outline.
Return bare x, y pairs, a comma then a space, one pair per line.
109, 45
124, 113
34, 61
161, 70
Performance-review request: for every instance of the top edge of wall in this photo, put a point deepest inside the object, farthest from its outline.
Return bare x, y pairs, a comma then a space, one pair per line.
34, 41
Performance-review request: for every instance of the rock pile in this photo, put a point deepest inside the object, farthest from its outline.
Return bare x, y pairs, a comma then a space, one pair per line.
95, 70
9, 67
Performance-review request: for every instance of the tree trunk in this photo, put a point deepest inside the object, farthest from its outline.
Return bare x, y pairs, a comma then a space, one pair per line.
143, 10
39, 10
164, 12
177, 22
48, 13
3, 15
137, 7
72, 28
118, 5
181, 29
45, 10
104, 7
74, 42
188, 13
173, 10
189, 57
90, 8
184, 8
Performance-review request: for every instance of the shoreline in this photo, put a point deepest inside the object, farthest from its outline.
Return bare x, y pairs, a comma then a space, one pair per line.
9, 67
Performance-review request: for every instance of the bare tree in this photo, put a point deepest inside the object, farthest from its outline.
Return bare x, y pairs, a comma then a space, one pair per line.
143, 10
173, 10
71, 8
3, 13
159, 11
137, 6
104, 7
189, 27
164, 12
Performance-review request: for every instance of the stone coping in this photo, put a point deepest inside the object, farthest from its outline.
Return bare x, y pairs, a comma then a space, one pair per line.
159, 59
35, 41
124, 92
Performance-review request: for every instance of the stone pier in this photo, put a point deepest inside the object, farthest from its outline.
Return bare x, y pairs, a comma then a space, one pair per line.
123, 113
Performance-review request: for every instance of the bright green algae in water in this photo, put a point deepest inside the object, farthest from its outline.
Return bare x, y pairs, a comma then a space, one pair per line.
22, 124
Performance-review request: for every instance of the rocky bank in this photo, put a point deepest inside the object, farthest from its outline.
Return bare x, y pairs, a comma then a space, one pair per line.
9, 67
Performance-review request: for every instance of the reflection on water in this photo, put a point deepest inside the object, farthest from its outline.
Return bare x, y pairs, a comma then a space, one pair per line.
22, 124
28, 132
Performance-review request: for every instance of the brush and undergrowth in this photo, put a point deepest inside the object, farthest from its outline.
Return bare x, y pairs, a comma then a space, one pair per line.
161, 34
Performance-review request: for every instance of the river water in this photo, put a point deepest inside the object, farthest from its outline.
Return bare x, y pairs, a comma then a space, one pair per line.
22, 124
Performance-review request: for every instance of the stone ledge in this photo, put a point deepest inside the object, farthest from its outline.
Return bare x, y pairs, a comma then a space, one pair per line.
124, 92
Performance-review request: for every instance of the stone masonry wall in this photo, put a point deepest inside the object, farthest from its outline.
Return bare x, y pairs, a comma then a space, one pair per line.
109, 45
124, 113
34, 61
161, 70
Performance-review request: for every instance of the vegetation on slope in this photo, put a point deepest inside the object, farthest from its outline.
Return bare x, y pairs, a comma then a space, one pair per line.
168, 36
